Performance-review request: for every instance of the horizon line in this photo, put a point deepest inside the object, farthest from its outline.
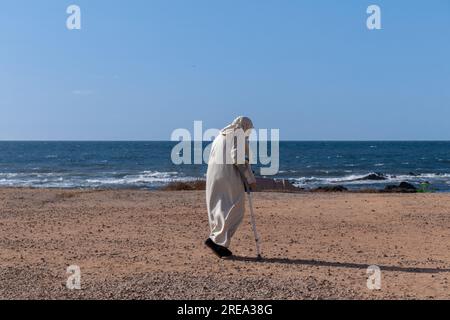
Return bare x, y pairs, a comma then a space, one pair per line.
285, 140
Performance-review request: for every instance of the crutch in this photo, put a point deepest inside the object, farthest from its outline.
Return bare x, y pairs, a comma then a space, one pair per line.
252, 214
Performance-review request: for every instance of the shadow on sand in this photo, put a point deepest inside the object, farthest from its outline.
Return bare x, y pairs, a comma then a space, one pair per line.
336, 264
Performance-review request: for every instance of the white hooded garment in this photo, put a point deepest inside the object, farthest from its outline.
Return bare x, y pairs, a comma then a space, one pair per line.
225, 193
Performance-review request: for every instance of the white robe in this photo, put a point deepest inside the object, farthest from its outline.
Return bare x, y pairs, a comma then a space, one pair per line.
225, 193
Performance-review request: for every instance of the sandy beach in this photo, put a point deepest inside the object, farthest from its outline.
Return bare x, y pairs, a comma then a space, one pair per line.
149, 245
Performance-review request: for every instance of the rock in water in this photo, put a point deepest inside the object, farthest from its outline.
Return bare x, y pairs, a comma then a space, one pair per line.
406, 185
373, 177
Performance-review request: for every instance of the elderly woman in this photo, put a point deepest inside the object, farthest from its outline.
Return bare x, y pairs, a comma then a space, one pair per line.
228, 171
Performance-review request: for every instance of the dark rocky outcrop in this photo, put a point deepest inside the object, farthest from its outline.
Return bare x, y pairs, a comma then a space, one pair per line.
272, 185
403, 187
330, 189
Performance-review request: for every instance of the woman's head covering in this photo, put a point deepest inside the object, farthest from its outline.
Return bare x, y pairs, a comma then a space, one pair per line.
241, 122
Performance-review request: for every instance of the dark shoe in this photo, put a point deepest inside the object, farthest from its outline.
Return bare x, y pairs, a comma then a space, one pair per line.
220, 251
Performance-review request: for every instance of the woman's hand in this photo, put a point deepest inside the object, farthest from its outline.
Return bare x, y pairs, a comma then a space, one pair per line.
252, 186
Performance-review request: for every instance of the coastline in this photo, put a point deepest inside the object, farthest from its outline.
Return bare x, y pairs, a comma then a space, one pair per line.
138, 244
286, 186
263, 185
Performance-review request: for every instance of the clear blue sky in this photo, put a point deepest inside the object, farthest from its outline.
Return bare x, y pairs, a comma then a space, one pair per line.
139, 69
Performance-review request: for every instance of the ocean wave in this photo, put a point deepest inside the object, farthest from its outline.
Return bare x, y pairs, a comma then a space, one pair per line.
370, 178
146, 177
99, 180
152, 179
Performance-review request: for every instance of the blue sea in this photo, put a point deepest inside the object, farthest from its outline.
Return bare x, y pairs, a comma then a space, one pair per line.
147, 165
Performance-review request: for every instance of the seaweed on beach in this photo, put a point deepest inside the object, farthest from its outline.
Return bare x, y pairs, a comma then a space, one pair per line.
185, 186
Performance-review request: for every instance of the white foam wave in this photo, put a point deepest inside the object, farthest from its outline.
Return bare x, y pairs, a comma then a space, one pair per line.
359, 179
110, 179
146, 177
